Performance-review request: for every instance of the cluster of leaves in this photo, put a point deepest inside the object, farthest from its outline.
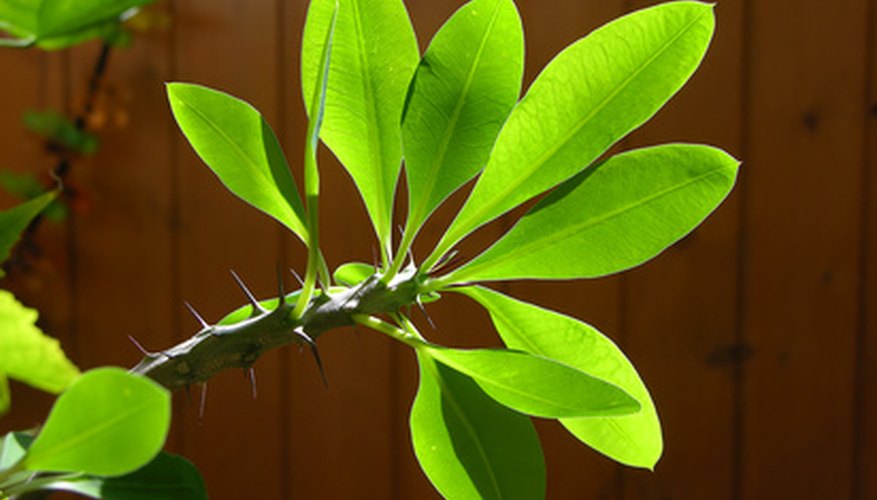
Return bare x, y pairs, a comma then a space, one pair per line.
450, 115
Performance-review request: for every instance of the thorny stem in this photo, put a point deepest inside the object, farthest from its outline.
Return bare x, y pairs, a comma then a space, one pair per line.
220, 347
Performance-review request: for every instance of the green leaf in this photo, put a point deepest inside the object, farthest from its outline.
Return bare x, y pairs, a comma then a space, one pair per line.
61, 130
13, 447
590, 96
352, 273
26, 354
166, 477
108, 423
631, 439
463, 90
236, 142
536, 385
14, 220
610, 217
374, 54
55, 24
468, 445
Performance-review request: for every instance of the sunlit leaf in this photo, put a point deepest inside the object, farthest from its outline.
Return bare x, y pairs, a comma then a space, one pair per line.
464, 88
352, 273
611, 217
166, 477
13, 447
536, 385
470, 446
630, 439
374, 54
108, 422
590, 96
26, 354
236, 142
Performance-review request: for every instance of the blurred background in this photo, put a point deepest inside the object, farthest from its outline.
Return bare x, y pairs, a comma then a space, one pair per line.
757, 335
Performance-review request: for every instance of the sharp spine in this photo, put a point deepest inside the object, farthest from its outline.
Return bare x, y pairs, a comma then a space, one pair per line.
257, 307
204, 325
315, 351
140, 347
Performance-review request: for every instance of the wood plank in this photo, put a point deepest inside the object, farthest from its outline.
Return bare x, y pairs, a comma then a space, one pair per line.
680, 326
864, 432
801, 249
338, 441
229, 45
574, 470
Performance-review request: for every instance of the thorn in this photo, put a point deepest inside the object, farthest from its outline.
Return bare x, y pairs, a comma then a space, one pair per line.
423, 310
255, 303
315, 351
203, 404
204, 324
446, 260
297, 277
139, 346
281, 297
251, 374
411, 257
375, 258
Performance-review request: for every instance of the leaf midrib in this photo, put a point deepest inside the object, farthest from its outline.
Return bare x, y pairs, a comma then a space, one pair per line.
487, 207
549, 240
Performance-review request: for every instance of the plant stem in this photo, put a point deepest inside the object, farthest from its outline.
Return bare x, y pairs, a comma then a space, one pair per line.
389, 329
408, 235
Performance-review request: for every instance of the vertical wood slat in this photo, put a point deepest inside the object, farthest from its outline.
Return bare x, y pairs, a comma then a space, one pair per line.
340, 437
864, 433
801, 273
680, 308
228, 45
574, 470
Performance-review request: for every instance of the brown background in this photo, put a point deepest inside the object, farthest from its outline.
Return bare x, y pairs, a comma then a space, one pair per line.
757, 335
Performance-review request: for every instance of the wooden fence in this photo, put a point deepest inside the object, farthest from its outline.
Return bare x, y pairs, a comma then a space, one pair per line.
757, 335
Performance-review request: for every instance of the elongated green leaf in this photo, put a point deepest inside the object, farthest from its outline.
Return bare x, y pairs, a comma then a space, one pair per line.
590, 96
26, 354
611, 217
14, 220
107, 423
55, 24
374, 54
536, 385
166, 477
463, 90
470, 446
630, 439
236, 142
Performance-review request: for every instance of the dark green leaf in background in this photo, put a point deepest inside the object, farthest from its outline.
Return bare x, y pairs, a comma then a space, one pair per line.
611, 217
107, 423
166, 477
374, 54
630, 439
236, 142
60, 130
590, 96
470, 446
14, 220
464, 88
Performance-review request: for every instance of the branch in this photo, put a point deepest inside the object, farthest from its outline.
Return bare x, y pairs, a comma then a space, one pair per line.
223, 346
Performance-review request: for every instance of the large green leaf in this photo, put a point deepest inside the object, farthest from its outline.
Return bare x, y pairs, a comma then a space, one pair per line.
463, 90
166, 477
611, 217
591, 95
630, 439
26, 354
374, 54
236, 142
470, 446
536, 385
108, 423
14, 220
